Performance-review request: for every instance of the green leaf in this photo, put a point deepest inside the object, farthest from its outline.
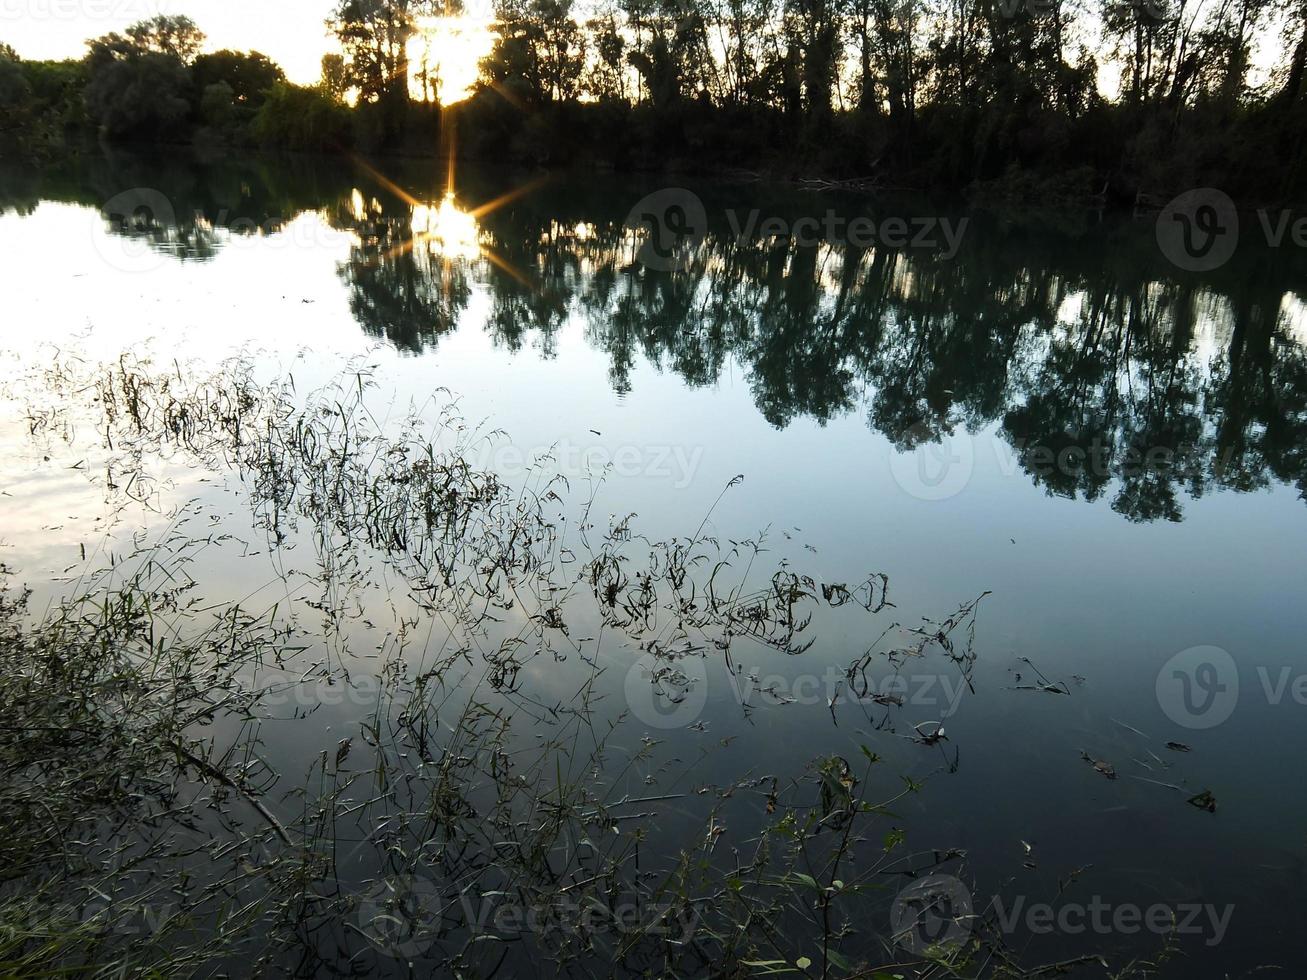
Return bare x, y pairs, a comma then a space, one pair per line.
840, 961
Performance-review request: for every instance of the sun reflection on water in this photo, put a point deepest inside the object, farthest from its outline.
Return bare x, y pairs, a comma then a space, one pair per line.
448, 230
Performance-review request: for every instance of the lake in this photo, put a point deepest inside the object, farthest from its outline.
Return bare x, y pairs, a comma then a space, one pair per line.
1080, 469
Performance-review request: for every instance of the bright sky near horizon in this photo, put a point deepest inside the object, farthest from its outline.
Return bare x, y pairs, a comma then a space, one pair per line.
292, 33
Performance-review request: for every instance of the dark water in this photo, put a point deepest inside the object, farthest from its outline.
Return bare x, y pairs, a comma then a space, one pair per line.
1043, 409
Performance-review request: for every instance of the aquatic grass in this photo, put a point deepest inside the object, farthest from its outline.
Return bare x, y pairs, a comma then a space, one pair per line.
107, 777
464, 787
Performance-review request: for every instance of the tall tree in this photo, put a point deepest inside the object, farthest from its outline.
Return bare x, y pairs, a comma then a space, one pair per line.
374, 35
250, 76
138, 83
813, 29
1294, 14
15, 97
539, 51
608, 67
164, 34
671, 51
335, 76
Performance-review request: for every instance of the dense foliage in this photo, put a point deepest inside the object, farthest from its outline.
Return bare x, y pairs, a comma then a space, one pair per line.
925, 92
152, 84
1005, 93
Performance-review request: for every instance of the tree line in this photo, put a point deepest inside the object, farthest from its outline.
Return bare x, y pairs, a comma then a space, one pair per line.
1001, 96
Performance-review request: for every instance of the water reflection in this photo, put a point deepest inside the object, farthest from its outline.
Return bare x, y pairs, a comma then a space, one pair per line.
1111, 381
402, 289
1110, 378
1106, 374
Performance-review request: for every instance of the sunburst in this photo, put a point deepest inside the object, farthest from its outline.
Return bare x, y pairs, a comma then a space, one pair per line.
449, 231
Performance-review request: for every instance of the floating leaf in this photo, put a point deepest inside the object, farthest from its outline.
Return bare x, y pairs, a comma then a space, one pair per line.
1100, 766
1204, 801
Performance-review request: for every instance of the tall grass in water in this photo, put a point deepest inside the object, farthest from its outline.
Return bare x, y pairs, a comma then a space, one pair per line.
103, 760
140, 803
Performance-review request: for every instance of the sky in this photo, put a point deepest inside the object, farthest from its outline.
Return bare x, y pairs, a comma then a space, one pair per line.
292, 33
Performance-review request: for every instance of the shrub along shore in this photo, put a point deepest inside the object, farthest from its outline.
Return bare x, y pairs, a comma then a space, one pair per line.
1002, 99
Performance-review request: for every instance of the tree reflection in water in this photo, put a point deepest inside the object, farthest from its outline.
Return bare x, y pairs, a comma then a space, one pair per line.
1105, 370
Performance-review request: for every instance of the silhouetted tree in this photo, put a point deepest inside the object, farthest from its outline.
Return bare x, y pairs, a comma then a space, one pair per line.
302, 118
250, 76
335, 76
138, 84
539, 50
15, 100
178, 37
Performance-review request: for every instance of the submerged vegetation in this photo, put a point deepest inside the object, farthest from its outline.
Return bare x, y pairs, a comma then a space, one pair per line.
499, 787
105, 761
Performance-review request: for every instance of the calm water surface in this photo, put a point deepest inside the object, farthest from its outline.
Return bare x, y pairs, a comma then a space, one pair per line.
1115, 451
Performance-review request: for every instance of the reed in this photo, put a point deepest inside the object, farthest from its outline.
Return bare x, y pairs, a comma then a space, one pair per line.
492, 809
